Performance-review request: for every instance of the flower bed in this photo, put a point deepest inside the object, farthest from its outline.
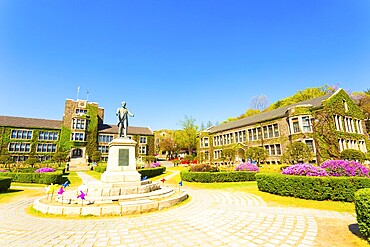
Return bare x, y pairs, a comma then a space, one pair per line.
247, 167
312, 187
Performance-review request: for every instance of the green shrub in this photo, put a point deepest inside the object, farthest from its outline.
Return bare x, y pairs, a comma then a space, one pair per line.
352, 154
215, 177
5, 183
39, 178
312, 188
188, 157
100, 169
152, 172
362, 206
149, 159
203, 168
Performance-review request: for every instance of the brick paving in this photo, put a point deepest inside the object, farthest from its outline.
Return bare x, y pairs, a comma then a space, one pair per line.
211, 218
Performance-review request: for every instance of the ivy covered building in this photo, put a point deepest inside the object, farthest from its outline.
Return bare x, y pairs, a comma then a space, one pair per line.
328, 125
80, 133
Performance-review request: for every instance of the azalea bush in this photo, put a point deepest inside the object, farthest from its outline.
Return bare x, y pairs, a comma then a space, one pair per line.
345, 168
155, 164
246, 166
304, 170
203, 168
45, 169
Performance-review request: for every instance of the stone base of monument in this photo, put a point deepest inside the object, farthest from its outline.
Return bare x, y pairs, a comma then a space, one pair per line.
119, 192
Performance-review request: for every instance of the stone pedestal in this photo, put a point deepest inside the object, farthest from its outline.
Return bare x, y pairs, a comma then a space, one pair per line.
121, 166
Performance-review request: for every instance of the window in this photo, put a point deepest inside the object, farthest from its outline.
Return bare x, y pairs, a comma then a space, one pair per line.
23, 147
46, 148
79, 124
276, 130
295, 125
306, 124
259, 133
48, 136
77, 136
278, 149
265, 133
272, 150
244, 136
250, 138
206, 144
81, 111
271, 132
143, 139
142, 149
103, 149
21, 134
345, 105
267, 148
309, 143
105, 138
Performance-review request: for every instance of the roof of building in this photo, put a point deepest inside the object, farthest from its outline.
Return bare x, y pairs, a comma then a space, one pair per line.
132, 130
280, 112
23, 122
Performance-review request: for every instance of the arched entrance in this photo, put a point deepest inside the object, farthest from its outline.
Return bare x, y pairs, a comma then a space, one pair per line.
240, 155
77, 153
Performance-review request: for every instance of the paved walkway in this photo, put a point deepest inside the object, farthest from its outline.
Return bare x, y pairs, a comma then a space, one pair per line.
211, 218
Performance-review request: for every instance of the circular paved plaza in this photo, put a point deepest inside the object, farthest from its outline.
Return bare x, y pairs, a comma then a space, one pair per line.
211, 218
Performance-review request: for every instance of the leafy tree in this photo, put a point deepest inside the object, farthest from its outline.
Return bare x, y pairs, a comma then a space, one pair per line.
352, 154
256, 153
209, 124
60, 157
228, 155
297, 152
202, 126
6, 160
96, 156
168, 145
187, 137
31, 161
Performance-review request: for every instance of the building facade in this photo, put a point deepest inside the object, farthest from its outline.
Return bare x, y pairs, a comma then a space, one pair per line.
327, 124
80, 133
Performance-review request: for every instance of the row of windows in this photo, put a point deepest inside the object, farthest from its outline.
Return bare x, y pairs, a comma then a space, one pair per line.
105, 138
81, 111
226, 139
48, 135
103, 149
79, 124
19, 147
273, 149
349, 124
352, 144
46, 148
19, 158
269, 131
21, 134
78, 136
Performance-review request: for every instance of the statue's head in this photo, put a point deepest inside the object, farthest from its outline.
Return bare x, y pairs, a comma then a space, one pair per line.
123, 103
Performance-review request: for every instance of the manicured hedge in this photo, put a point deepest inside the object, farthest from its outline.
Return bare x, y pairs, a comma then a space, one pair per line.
38, 178
152, 172
5, 183
217, 177
313, 188
362, 205
148, 172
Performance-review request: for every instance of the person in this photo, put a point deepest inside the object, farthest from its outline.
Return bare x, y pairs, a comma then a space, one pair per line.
123, 114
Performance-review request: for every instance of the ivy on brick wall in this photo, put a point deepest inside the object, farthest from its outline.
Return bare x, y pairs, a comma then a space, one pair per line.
92, 131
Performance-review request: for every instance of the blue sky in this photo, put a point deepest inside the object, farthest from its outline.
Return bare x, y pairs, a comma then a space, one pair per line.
168, 59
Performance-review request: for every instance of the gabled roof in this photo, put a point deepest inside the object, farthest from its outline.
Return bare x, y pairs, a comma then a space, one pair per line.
22, 122
268, 115
132, 130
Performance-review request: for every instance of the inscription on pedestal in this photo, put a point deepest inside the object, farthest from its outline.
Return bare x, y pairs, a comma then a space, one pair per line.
123, 157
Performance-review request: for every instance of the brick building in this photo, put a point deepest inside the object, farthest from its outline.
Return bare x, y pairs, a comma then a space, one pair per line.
80, 133
327, 124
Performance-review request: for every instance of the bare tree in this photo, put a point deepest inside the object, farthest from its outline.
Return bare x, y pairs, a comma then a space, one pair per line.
259, 102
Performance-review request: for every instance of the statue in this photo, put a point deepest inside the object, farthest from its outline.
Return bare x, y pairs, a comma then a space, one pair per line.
122, 113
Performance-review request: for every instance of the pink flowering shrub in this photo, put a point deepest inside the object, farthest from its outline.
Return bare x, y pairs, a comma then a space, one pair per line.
345, 168
247, 167
3, 170
154, 165
45, 169
304, 170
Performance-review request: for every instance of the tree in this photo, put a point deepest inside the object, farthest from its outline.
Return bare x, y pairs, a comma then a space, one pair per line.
256, 153
259, 102
168, 145
6, 160
96, 156
59, 157
352, 154
297, 152
31, 161
187, 137
209, 124
228, 155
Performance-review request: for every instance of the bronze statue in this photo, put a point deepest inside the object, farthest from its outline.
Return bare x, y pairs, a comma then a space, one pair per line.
123, 114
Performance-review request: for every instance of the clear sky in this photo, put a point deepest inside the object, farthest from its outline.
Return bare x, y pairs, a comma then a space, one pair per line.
168, 59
